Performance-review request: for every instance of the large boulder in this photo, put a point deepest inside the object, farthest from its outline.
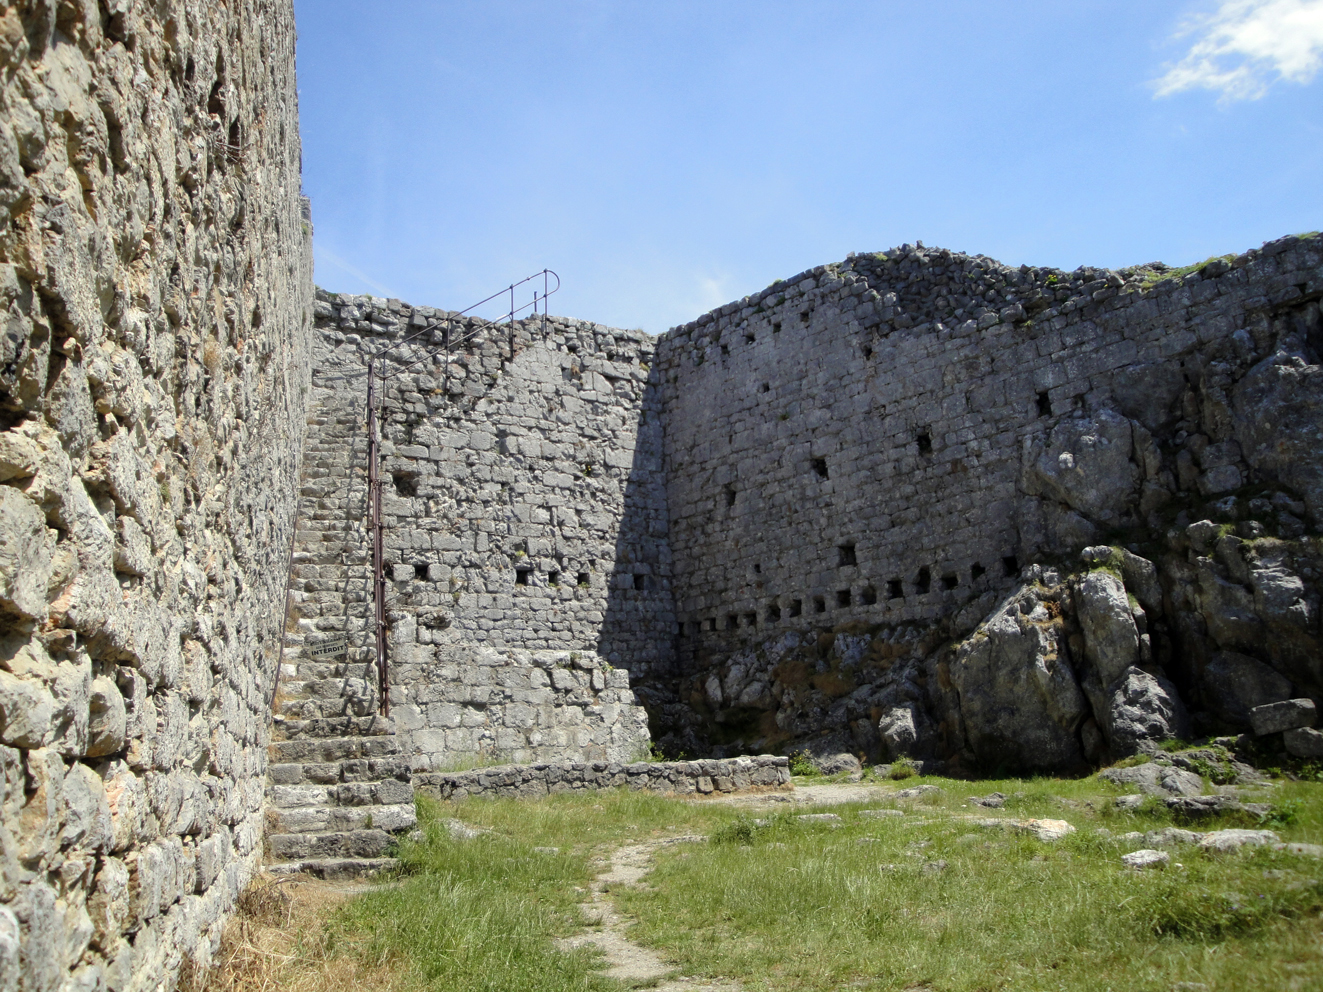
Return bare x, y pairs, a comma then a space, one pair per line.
1086, 464
1019, 699
1143, 708
1111, 640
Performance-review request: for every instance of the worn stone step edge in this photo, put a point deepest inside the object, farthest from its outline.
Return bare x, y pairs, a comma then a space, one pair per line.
350, 726
381, 793
332, 869
341, 819
365, 843
310, 750
337, 772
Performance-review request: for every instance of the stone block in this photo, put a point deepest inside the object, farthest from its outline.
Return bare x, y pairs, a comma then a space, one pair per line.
1304, 742
1289, 714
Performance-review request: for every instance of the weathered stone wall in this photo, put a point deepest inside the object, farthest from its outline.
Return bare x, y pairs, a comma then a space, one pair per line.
860, 460
525, 532
155, 281
703, 777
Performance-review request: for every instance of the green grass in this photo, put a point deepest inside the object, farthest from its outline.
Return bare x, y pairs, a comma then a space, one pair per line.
925, 900
1153, 278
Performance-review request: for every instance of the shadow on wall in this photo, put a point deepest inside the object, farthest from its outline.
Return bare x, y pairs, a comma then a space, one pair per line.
639, 628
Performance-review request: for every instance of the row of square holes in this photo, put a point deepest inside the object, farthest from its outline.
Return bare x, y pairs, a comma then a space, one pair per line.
845, 597
523, 573
750, 337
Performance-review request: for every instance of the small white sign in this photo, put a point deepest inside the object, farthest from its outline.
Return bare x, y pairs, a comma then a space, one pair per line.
334, 648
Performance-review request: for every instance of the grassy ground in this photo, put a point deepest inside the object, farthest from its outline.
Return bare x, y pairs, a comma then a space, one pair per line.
928, 900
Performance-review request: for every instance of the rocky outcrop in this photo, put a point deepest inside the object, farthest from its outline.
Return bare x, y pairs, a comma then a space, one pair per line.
155, 292
1019, 699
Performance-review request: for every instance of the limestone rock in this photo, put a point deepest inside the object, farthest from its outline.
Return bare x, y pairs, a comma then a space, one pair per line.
1019, 700
26, 548
108, 718
1222, 841
834, 764
1156, 780
1304, 742
1146, 858
1288, 714
1086, 464
1111, 641
1046, 830
1144, 708
26, 712
899, 729
9, 949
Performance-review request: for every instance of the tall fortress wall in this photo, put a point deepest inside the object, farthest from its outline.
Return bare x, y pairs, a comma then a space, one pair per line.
155, 281
525, 532
872, 451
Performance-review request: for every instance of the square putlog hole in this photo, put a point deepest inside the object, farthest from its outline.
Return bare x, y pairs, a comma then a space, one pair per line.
406, 483
819, 605
925, 443
773, 613
843, 597
732, 621
640, 582
950, 581
796, 607
820, 467
751, 619
869, 596
582, 579
1010, 567
895, 589
924, 581
845, 555
521, 576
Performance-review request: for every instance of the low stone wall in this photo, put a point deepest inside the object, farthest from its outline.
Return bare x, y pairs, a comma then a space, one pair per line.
678, 777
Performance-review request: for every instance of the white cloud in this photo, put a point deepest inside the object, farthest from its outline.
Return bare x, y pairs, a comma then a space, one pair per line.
321, 254
1246, 45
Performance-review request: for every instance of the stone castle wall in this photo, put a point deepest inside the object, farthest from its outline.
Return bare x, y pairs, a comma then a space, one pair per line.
155, 282
875, 449
525, 532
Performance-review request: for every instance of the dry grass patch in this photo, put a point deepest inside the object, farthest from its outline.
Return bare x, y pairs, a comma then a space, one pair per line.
277, 941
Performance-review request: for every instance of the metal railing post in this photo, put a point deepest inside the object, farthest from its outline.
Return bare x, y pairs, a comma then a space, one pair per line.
378, 558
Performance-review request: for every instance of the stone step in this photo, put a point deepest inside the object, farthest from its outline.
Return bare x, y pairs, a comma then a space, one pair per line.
372, 843
343, 726
333, 819
387, 792
311, 750
332, 869
302, 710
335, 772
307, 671
301, 687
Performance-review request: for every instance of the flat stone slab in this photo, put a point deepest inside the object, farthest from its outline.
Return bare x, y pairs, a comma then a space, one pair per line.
1146, 858
1289, 714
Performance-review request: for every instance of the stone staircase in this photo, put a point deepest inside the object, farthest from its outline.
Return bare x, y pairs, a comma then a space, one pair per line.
338, 786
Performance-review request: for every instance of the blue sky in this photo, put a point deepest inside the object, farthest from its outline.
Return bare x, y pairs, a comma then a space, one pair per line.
667, 157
